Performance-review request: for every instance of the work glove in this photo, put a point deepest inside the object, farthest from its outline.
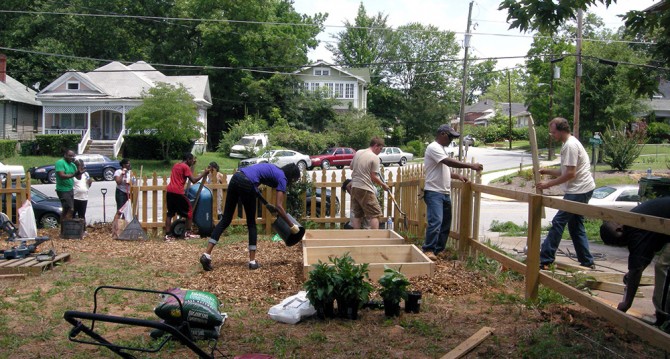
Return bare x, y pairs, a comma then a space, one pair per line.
295, 229
272, 209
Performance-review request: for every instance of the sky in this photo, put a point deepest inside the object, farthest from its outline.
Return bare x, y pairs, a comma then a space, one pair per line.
490, 34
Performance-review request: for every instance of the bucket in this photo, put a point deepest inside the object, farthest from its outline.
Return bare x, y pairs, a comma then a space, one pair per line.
284, 230
72, 229
413, 302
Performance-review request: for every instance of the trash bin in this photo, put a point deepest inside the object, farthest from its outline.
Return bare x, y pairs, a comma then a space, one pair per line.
653, 187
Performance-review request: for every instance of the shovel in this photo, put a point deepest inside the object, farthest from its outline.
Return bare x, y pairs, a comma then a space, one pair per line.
404, 215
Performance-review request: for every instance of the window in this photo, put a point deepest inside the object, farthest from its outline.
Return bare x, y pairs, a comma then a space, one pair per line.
339, 90
15, 116
73, 85
321, 72
348, 151
339, 151
349, 91
629, 196
72, 120
35, 121
330, 86
314, 86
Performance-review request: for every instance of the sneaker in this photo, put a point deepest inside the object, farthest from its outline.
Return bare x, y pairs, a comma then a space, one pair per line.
169, 238
206, 263
591, 266
189, 235
431, 256
255, 265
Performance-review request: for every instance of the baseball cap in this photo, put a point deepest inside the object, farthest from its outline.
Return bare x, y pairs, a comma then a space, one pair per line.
449, 130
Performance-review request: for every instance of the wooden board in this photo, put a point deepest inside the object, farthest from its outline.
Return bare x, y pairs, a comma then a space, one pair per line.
406, 258
615, 288
618, 278
535, 155
326, 242
465, 347
30, 265
350, 233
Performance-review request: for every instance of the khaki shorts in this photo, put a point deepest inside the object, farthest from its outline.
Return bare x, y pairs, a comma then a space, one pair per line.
364, 204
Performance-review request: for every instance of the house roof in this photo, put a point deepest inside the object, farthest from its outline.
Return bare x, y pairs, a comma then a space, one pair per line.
118, 81
360, 73
12, 90
489, 106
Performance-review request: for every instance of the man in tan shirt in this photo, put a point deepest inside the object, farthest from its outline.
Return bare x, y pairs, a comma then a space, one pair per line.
365, 175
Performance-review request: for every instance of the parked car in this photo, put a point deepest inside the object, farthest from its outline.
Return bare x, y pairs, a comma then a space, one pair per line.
47, 209
622, 197
469, 140
390, 155
451, 149
13, 170
334, 156
98, 166
249, 145
317, 197
280, 158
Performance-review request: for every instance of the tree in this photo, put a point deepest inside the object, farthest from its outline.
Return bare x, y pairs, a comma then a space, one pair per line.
363, 43
169, 113
481, 76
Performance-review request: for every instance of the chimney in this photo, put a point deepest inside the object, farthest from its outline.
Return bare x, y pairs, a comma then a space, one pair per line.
3, 68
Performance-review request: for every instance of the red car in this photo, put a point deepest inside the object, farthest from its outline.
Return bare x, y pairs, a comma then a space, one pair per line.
334, 156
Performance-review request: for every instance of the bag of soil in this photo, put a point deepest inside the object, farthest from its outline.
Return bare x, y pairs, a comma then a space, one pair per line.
201, 309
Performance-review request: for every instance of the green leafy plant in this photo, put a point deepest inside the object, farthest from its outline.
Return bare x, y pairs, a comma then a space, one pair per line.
320, 286
621, 149
394, 285
351, 280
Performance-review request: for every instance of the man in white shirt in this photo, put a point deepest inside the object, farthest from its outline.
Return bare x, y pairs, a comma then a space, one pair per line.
364, 176
575, 178
437, 189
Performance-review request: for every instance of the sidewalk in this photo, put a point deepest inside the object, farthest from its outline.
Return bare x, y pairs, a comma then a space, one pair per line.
490, 177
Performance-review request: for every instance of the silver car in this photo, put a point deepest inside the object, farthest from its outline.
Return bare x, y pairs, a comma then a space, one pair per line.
617, 196
280, 158
390, 155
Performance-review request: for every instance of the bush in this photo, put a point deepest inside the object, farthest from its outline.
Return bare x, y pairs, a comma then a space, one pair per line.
658, 132
620, 149
55, 145
417, 147
7, 148
29, 148
148, 147
282, 135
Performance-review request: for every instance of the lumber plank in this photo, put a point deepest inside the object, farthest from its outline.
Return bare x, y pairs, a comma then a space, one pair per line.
13, 276
615, 288
618, 278
469, 344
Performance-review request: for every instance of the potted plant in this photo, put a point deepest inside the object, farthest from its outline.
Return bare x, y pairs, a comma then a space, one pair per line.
352, 285
394, 289
320, 287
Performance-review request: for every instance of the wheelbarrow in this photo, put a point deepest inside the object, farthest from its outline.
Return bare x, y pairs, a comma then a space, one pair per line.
201, 202
180, 331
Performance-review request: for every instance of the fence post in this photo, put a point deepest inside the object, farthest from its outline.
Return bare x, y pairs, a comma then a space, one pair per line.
533, 245
465, 227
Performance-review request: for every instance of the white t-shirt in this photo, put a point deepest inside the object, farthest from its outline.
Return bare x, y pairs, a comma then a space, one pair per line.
125, 181
574, 154
363, 163
81, 187
438, 175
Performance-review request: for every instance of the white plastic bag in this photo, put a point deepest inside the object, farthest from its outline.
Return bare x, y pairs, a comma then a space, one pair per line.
27, 224
127, 211
292, 309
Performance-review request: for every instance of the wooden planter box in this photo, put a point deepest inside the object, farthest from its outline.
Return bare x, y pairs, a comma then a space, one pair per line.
406, 258
353, 237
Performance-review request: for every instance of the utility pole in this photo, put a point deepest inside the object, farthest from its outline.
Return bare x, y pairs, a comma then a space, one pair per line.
509, 100
578, 75
466, 44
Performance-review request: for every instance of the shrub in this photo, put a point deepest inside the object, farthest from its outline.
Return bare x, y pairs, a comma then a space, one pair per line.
658, 132
620, 149
7, 148
148, 147
248, 125
417, 147
55, 145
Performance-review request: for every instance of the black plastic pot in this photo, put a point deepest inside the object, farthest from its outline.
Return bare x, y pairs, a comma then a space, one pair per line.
348, 309
326, 310
284, 230
413, 302
391, 308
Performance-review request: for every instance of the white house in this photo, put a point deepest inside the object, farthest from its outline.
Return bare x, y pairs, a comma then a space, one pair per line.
348, 85
94, 104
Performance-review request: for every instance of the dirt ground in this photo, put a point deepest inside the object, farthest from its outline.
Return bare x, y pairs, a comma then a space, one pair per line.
457, 301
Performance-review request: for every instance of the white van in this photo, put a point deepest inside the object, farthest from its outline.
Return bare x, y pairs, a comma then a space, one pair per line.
249, 146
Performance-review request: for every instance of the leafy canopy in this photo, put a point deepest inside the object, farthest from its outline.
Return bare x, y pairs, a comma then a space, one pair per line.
168, 112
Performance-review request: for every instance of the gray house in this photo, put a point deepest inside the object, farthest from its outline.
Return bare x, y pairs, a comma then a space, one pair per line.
348, 85
95, 104
19, 111
481, 112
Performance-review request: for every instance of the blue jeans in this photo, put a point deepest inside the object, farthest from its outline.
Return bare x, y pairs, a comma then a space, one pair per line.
438, 215
576, 229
